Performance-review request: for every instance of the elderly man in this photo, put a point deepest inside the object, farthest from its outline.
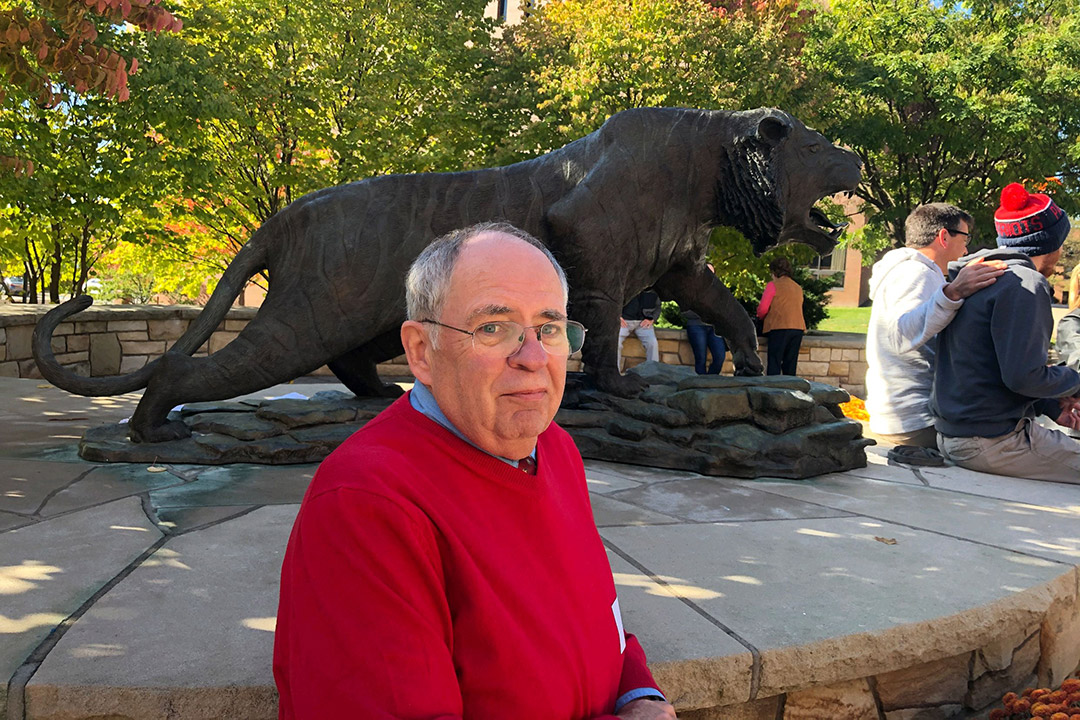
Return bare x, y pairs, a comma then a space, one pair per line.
991, 376
444, 563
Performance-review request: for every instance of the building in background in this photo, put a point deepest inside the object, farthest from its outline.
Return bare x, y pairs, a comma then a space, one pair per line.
510, 12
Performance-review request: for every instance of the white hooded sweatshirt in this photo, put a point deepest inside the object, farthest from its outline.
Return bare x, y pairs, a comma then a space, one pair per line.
910, 309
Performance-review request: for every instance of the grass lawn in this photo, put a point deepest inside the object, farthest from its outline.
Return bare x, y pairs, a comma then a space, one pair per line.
846, 319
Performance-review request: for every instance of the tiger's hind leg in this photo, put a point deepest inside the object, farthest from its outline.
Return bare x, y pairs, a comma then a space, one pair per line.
356, 368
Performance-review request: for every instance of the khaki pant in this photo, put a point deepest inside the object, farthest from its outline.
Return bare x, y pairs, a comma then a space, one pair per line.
1030, 451
927, 437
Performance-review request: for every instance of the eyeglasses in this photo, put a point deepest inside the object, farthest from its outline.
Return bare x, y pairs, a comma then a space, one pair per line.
957, 232
503, 338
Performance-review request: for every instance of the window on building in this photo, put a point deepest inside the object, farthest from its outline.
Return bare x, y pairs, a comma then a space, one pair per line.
500, 12
830, 263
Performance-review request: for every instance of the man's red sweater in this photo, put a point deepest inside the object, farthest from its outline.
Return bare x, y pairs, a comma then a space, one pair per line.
427, 579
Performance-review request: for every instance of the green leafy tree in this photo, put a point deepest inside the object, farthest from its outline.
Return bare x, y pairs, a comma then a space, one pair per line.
277, 99
573, 63
946, 101
100, 177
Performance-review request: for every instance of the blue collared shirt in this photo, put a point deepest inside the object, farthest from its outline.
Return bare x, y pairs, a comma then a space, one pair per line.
423, 401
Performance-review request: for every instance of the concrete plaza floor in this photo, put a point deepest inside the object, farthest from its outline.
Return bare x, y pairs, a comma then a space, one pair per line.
146, 591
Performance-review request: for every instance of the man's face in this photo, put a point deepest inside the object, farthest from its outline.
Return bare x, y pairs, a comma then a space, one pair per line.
500, 403
1046, 264
956, 242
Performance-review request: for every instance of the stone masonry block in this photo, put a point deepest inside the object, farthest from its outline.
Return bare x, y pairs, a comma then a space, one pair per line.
857, 372
71, 358
150, 347
934, 683
95, 326
131, 363
9, 369
235, 325
839, 368
29, 369
668, 346
836, 353
813, 368
669, 358
989, 687
1060, 640
938, 712
323, 371
3, 336
64, 329
765, 709
78, 343
18, 342
58, 344
850, 700
170, 329
850, 354
105, 354
632, 347
126, 325
133, 335
220, 339
819, 354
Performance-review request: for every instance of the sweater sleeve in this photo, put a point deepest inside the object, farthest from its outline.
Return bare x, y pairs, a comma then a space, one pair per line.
766, 299
1020, 326
919, 311
635, 674
364, 629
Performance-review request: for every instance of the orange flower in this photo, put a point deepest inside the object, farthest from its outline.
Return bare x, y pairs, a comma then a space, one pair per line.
855, 409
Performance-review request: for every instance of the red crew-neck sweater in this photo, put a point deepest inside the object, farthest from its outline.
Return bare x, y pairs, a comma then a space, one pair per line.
427, 579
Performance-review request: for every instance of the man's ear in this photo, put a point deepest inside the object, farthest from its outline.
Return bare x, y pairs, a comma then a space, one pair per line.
942, 238
417, 344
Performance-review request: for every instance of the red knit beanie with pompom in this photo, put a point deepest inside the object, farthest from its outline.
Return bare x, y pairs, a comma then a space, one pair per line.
1030, 223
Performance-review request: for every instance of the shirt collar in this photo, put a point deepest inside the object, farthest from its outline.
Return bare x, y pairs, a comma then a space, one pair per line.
423, 401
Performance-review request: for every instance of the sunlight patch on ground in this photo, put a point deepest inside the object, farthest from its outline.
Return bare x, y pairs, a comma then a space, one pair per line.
673, 585
98, 650
13, 626
15, 579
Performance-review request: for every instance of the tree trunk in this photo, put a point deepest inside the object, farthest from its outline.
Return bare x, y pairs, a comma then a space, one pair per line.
55, 268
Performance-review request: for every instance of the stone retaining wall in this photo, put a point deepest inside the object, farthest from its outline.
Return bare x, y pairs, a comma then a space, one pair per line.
117, 339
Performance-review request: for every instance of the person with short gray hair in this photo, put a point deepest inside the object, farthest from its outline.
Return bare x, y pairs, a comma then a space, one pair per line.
445, 562
911, 304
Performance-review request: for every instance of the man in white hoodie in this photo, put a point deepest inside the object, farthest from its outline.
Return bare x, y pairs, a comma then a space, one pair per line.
912, 303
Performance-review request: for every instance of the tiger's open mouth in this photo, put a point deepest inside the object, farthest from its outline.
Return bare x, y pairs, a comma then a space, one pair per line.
825, 225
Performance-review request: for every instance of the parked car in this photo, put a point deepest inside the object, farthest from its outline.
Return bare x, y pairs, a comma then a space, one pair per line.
14, 285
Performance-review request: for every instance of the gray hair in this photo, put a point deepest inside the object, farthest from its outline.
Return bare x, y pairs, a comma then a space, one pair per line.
924, 222
428, 279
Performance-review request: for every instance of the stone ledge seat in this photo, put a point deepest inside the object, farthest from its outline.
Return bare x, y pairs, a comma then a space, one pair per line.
138, 591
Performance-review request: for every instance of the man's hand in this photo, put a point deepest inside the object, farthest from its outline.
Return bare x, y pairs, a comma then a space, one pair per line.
1070, 412
622, 322
646, 323
973, 277
644, 709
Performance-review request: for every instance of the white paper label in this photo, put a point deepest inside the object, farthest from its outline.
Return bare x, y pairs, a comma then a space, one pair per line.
618, 625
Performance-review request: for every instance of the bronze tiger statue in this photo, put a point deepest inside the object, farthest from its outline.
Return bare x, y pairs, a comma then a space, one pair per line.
626, 207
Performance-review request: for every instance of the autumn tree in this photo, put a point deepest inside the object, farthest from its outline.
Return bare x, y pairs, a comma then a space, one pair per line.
947, 101
46, 43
